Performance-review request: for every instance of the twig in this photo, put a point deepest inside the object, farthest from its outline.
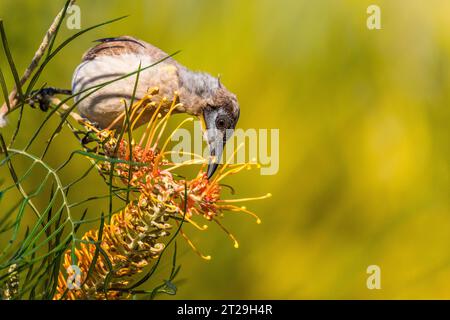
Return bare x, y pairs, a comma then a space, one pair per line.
66, 108
34, 62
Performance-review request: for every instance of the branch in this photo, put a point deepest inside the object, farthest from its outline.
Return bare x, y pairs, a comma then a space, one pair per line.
34, 62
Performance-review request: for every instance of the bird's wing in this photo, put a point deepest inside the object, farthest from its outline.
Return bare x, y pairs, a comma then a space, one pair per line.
123, 45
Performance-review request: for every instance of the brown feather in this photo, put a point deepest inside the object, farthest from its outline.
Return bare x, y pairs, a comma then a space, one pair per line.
123, 45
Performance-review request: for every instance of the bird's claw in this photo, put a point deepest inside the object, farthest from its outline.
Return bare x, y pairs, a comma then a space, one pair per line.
42, 97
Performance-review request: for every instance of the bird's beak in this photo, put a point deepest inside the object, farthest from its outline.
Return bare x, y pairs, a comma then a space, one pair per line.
213, 162
215, 152
216, 144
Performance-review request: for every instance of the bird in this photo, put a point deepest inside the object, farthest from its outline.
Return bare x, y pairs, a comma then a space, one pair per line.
199, 93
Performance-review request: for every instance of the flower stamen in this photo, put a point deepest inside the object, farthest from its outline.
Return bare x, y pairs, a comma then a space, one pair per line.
194, 248
232, 237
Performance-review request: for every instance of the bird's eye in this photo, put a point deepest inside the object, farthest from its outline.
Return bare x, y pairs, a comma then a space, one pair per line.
221, 123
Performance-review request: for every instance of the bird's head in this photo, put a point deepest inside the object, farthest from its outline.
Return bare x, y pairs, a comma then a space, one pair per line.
219, 116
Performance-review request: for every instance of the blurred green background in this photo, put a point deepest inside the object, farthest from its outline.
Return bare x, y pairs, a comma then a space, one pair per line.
364, 140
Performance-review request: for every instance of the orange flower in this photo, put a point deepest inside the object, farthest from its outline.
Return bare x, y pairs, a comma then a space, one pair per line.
158, 199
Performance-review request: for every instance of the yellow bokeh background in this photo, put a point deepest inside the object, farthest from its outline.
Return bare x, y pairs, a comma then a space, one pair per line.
364, 141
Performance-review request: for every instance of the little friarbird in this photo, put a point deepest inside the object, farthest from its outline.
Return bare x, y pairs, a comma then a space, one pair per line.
199, 93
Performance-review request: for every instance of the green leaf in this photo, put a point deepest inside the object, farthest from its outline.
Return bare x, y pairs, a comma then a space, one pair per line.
10, 59
4, 89
52, 40
60, 47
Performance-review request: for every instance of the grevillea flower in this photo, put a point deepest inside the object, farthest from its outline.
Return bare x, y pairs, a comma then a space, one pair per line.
159, 202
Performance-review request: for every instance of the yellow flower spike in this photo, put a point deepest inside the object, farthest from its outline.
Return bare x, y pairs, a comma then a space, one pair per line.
173, 132
194, 248
186, 163
89, 126
241, 209
226, 164
185, 152
201, 228
153, 90
268, 195
138, 104
150, 126
161, 154
230, 172
135, 236
232, 237
121, 116
164, 121
133, 109
144, 108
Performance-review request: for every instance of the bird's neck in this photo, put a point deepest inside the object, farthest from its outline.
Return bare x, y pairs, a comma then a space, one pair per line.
195, 89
